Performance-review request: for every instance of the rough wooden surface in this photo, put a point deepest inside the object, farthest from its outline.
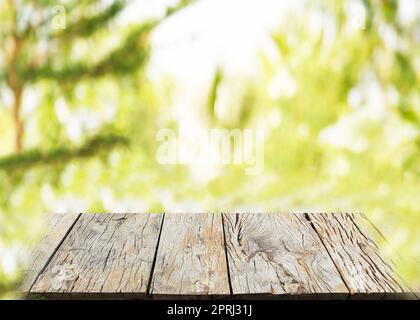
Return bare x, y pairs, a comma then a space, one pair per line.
211, 255
57, 226
278, 254
104, 254
356, 255
191, 259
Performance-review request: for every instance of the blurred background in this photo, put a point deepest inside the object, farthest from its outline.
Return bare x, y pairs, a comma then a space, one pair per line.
86, 86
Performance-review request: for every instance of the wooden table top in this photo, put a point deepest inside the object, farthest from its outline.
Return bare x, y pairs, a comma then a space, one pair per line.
179, 255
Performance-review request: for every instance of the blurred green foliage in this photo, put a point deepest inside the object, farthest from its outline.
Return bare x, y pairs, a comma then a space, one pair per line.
341, 104
36, 158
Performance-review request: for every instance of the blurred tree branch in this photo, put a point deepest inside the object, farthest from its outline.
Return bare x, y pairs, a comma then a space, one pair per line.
93, 146
127, 58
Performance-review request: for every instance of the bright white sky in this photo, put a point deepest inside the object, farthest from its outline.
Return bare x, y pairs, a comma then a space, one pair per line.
191, 44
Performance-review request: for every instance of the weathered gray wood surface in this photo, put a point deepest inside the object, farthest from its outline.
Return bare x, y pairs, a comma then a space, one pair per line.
191, 259
104, 254
278, 254
210, 255
356, 255
57, 226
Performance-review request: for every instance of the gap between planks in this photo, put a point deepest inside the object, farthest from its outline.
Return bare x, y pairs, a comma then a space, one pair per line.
154, 257
226, 255
51, 241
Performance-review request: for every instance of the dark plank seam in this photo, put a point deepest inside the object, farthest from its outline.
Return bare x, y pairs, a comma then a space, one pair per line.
226, 255
307, 217
55, 251
152, 270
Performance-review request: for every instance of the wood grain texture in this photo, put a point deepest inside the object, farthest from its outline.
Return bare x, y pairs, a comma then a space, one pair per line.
103, 254
356, 255
57, 226
276, 254
196, 255
191, 260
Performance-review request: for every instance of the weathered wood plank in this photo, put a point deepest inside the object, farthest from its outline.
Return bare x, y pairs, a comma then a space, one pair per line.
278, 254
57, 226
191, 261
103, 254
356, 255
